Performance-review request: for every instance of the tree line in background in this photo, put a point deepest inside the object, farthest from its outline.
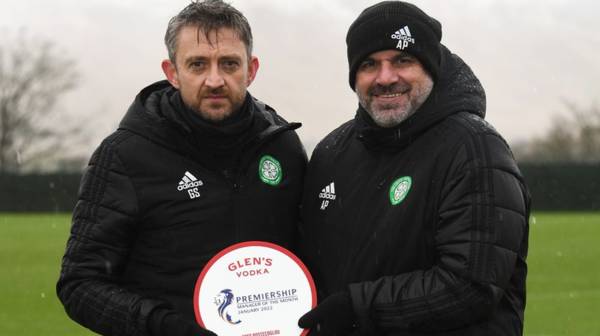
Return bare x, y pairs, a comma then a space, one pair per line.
34, 75
573, 137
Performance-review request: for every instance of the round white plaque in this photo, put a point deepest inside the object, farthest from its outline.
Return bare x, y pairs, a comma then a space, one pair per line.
254, 289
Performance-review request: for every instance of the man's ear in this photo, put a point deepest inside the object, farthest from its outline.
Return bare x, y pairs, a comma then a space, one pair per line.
252, 70
171, 72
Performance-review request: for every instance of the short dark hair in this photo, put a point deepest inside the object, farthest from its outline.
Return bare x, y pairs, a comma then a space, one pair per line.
208, 16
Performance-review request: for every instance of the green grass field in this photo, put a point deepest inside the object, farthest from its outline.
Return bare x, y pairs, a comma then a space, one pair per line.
563, 283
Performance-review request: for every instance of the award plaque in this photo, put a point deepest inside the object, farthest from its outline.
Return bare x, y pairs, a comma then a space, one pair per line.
254, 289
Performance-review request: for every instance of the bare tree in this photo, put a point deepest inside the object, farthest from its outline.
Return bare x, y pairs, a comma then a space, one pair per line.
571, 138
587, 123
33, 76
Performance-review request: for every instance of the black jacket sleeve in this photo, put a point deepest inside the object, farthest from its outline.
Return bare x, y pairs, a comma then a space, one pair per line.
480, 238
103, 225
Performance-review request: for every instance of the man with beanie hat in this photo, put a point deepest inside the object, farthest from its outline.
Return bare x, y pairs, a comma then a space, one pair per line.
415, 214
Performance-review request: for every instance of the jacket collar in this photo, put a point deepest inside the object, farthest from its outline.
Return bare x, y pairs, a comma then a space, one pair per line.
153, 116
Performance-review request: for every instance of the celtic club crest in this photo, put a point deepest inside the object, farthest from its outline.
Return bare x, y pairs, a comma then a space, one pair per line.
269, 170
400, 189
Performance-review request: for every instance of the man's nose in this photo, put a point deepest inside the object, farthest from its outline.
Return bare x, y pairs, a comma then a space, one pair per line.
387, 75
214, 78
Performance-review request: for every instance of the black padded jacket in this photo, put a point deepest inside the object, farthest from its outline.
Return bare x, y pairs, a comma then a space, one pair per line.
425, 224
157, 202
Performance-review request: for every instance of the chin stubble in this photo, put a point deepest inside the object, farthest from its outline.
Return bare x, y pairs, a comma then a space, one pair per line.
390, 115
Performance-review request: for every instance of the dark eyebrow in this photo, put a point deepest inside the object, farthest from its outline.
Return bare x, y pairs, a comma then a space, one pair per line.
193, 59
231, 56
203, 58
403, 54
367, 59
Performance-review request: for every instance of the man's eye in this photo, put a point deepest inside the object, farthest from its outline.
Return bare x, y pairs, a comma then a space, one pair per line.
405, 60
366, 65
197, 65
230, 65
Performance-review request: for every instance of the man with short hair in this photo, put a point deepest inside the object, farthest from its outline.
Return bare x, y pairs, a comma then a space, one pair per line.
196, 165
415, 214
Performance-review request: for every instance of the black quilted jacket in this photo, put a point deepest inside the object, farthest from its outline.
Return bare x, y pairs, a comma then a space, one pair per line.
425, 224
155, 204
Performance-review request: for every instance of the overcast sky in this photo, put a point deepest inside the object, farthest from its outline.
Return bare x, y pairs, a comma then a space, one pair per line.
529, 55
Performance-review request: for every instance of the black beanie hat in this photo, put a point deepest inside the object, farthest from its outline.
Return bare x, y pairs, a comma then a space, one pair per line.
394, 25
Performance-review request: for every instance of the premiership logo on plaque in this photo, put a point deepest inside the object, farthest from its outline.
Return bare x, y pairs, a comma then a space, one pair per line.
254, 289
223, 301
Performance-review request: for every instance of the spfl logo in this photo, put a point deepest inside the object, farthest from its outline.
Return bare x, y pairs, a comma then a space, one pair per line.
223, 301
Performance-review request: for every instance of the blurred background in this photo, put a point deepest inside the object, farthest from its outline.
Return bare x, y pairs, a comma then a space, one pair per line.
69, 70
